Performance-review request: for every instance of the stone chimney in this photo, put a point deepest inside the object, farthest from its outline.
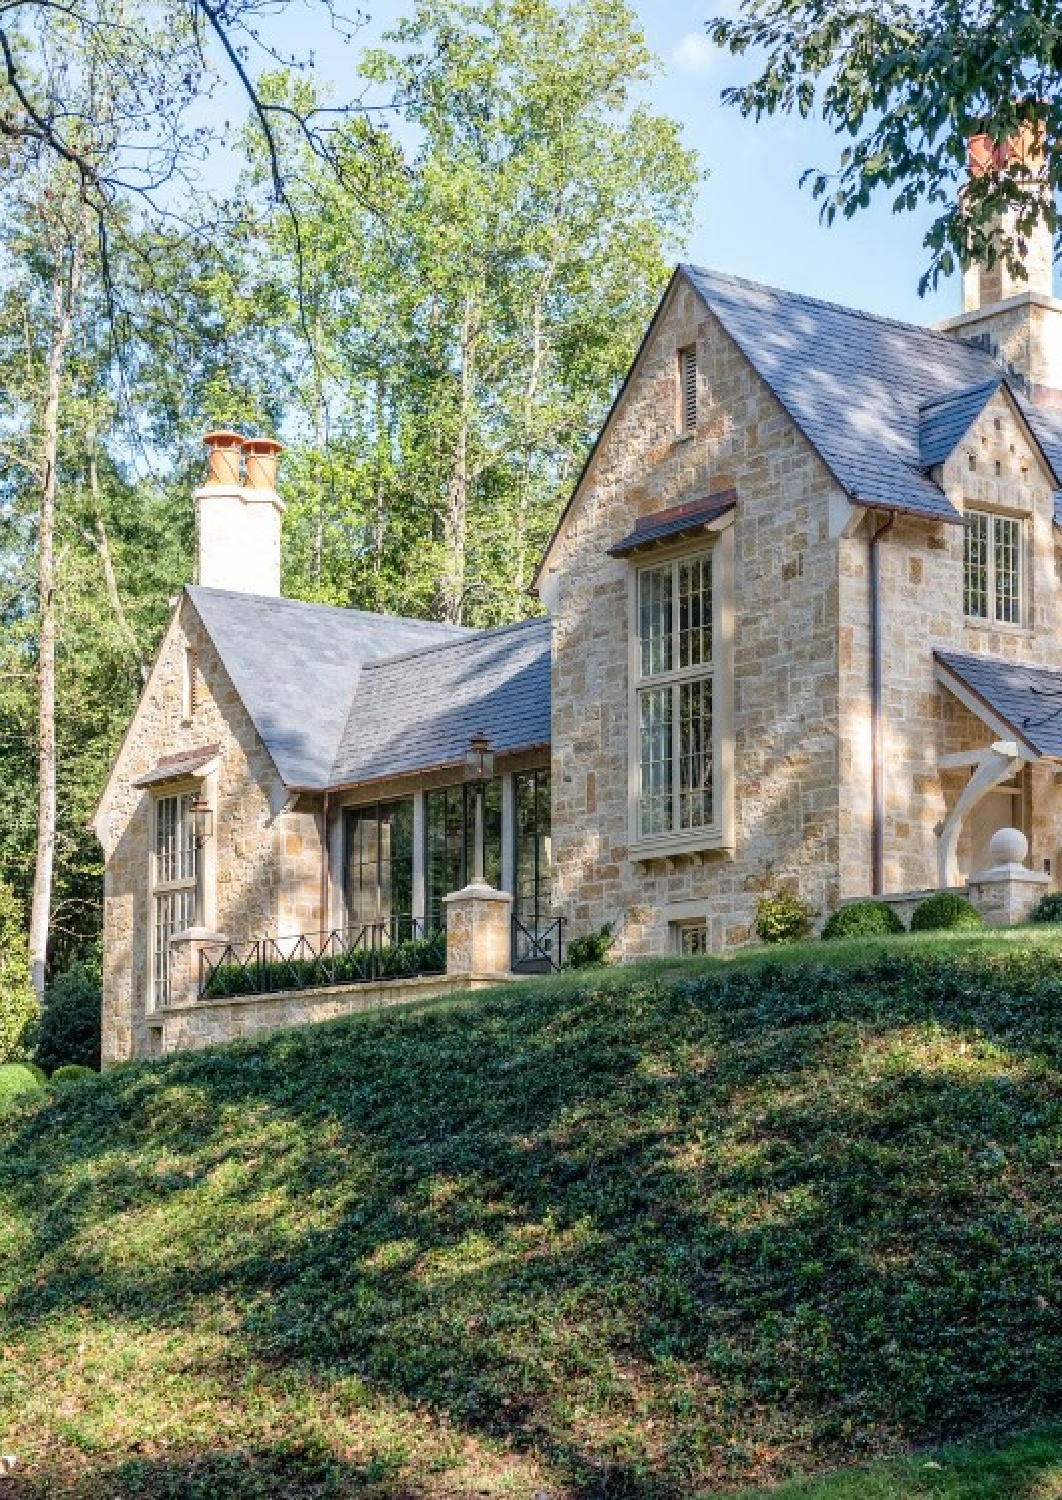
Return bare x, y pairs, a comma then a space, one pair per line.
238, 515
1013, 313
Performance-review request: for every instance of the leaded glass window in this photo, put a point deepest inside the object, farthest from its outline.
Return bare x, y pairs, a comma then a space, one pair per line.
674, 698
993, 568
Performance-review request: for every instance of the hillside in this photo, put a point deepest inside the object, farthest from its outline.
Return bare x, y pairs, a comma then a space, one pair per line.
663, 1231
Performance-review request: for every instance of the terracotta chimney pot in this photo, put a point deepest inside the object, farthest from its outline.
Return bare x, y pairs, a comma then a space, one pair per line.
223, 457
261, 456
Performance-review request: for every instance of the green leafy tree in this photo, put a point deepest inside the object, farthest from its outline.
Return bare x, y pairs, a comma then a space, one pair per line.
19, 1007
905, 86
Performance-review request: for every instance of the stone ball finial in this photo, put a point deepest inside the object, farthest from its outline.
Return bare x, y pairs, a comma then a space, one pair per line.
1008, 846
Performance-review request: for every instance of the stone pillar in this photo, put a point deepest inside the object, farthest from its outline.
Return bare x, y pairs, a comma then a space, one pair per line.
479, 932
1006, 894
185, 948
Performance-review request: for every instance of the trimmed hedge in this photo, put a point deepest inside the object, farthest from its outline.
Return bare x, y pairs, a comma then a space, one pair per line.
863, 919
946, 912
17, 1080
72, 1073
1048, 908
357, 966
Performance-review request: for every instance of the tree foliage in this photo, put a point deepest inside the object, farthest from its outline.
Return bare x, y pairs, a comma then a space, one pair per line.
905, 84
19, 1009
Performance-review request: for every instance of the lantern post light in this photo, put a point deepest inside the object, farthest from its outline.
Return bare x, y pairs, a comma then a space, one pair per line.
479, 769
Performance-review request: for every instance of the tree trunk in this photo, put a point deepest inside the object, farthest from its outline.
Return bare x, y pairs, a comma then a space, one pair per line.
102, 544
66, 283
319, 442
455, 521
521, 579
379, 528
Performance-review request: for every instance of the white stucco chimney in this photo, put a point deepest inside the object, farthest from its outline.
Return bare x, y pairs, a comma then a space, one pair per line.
238, 515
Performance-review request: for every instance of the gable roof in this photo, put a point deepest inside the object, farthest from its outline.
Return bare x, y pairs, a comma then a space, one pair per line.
943, 423
421, 709
1027, 699
296, 668
864, 390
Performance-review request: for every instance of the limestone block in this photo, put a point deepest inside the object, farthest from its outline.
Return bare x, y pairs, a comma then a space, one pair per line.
478, 931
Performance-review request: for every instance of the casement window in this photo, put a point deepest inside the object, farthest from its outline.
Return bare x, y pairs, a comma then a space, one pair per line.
378, 845
449, 829
691, 938
174, 883
994, 568
687, 389
674, 698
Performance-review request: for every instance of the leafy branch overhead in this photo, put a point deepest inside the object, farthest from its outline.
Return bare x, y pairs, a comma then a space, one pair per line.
905, 86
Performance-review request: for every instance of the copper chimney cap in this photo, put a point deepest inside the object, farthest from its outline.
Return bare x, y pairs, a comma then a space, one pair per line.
261, 456
223, 456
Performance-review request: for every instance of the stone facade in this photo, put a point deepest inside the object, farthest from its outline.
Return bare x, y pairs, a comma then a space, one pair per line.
801, 716
267, 854
784, 593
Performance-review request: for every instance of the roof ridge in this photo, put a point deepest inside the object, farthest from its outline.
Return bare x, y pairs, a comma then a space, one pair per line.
841, 307
465, 640
966, 390
343, 609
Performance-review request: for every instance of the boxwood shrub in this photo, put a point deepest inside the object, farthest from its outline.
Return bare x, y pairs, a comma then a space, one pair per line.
1048, 908
357, 966
946, 912
782, 918
863, 919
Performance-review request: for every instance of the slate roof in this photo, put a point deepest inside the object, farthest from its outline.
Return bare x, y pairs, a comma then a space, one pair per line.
1028, 699
296, 668
860, 387
421, 709
943, 423
679, 520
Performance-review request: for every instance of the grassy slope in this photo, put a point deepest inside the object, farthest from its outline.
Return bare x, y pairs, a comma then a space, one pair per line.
656, 1232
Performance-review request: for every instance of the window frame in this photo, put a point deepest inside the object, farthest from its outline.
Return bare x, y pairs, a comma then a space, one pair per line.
992, 620
717, 540
159, 887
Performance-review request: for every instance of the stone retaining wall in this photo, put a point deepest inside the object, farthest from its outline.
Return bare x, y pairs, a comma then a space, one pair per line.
206, 1023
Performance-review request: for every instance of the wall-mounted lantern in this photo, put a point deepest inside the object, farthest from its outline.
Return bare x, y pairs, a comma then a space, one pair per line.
202, 821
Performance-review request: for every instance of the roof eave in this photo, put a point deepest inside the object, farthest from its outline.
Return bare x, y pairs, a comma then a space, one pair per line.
510, 752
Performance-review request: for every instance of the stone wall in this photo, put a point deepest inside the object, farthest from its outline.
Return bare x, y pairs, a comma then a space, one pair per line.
922, 610
785, 595
212, 1022
268, 859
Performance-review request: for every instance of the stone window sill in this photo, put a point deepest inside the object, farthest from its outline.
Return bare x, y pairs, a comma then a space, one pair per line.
1000, 626
704, 841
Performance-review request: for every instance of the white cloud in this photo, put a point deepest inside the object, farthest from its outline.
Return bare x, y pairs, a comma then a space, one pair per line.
695, 54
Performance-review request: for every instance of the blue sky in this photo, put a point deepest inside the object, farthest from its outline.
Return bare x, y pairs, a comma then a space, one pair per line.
752, 216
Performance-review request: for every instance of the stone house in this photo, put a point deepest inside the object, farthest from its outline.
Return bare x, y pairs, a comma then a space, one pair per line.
803, 627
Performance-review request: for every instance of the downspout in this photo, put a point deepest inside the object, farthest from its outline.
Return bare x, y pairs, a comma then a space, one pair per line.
877, 834
326, 868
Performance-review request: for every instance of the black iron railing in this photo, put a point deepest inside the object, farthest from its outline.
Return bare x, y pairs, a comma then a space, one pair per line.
400, 948
537, 944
